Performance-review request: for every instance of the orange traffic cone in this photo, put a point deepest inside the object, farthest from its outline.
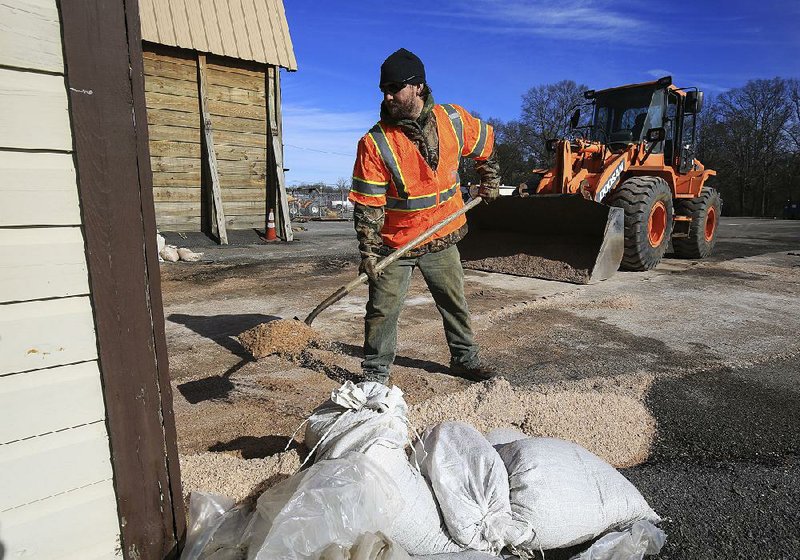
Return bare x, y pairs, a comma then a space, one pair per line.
271, 236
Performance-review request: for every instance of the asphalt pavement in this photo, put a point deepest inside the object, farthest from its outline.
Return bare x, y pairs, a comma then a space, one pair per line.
724, 472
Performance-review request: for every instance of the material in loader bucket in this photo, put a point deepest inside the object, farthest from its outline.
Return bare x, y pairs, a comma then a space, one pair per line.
555, 237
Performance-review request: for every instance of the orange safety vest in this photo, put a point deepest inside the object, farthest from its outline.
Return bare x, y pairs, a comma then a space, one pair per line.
390, 171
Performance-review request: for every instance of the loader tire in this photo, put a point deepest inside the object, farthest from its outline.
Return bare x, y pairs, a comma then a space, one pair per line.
705, 211
647, 202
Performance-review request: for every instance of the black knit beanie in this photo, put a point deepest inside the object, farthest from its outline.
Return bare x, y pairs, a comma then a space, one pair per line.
403, 67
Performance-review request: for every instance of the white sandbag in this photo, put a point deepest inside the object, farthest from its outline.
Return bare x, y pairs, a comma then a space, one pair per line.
418, 528
334, 501
470, 483
170, 253
642, 538
567, 494
369, 546
188, 255
502, 436
357, 417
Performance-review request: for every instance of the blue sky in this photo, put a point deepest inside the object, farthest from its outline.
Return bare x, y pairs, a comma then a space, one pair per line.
485, 54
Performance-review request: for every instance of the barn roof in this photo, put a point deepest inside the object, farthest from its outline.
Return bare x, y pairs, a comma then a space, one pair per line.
245, 29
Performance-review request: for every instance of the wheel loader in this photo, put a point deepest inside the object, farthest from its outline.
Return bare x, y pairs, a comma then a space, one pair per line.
622, 187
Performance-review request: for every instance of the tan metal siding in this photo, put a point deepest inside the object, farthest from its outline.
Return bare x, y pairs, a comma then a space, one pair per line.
254, 30
267, 39
281, 34
197, 29
209, 19
180, 19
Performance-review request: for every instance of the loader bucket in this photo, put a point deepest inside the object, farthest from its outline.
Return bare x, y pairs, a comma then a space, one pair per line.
555, 237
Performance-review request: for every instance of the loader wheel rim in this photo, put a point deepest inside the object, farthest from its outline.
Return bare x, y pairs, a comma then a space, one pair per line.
657, 224
711, 223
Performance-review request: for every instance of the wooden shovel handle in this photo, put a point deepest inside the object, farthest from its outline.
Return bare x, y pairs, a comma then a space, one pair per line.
362, 278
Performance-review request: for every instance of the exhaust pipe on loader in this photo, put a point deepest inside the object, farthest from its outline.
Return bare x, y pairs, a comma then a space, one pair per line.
560, 237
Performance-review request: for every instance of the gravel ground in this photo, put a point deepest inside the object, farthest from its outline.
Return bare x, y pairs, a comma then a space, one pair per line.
689, 372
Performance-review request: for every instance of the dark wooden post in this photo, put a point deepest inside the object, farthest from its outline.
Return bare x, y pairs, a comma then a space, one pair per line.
105, 77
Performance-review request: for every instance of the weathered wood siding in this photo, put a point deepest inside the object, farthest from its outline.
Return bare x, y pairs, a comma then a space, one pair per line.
237, 104
57, 496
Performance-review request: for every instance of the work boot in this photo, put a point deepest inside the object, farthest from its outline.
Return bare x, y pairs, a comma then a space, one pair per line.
474, 372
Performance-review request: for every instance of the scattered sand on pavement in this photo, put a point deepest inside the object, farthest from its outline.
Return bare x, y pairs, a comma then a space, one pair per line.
286, 337
615, 426
239, 479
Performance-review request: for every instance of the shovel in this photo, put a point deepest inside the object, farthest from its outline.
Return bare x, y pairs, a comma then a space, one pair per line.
383, 263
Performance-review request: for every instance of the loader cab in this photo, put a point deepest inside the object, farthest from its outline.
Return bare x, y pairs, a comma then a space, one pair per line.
622, 116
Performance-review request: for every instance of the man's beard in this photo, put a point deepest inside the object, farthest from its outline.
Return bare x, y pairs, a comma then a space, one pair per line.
401, 110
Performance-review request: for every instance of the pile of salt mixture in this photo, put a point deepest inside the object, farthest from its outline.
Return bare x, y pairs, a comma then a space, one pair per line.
234, 477
613, 425
285, 337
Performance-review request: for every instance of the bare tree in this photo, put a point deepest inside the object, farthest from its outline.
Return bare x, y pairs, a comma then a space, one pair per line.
514, 159
545, 114
748, 137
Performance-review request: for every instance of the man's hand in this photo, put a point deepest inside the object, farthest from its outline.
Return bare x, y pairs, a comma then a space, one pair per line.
367, 267
488, 192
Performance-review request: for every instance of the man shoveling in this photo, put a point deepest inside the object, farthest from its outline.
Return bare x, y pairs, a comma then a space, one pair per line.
405, 180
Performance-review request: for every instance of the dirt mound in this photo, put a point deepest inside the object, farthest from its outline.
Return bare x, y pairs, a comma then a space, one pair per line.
286, 337
616, 427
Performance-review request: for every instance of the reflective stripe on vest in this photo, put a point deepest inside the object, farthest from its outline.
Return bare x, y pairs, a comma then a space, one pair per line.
480, 143
421, 202
389, 158
457, 124
368, 188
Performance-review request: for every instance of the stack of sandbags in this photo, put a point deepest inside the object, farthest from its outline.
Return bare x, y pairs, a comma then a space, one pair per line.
466, 492
460, 495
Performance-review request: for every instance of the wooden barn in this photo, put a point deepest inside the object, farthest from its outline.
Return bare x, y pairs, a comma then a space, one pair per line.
88, 458
212, 86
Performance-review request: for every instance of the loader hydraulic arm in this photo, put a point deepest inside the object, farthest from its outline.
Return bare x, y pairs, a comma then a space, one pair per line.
572, 165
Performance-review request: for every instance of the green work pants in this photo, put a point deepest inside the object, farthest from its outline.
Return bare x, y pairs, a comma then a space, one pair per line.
445, 279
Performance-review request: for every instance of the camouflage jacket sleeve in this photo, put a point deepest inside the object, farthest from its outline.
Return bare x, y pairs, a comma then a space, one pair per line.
368, 223
489, 170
